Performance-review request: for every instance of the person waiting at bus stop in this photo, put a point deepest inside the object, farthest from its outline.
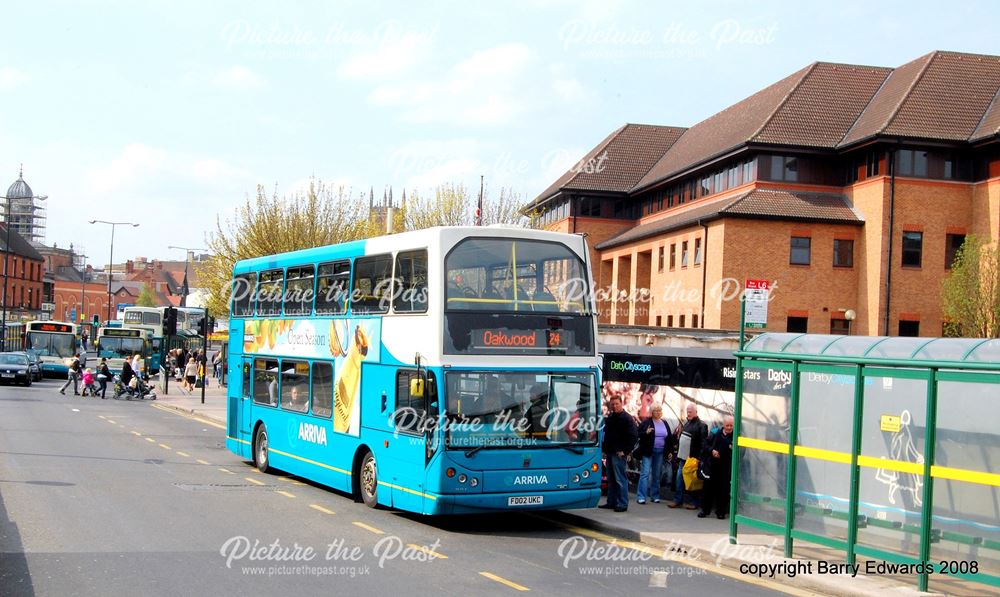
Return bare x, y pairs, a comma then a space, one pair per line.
689, 445
719, 452
654, 441
620, 434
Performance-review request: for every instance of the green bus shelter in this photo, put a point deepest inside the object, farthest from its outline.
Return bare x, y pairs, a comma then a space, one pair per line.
887, 448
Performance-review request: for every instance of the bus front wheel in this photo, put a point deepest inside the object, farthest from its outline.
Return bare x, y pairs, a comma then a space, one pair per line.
368, 481
260, 447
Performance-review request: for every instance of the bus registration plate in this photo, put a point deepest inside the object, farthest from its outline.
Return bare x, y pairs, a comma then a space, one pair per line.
525, 500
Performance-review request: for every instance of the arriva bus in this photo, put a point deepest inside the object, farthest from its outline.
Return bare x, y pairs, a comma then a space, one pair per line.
118, 344
55, 342
441, 371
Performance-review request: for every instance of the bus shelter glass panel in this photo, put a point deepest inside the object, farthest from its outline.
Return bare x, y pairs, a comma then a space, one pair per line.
767, 392
893, 429
987, 352
770, 342
967, 514
822, 487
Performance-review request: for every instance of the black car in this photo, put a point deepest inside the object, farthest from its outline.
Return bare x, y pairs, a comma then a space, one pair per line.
15, 368
35, 364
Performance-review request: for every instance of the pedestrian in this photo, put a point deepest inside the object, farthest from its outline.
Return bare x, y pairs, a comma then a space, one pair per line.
103, 375
88, 382
654, 436
190, 374
83, 340
73, 376
217, 365
689, 445
126, 375
620, 434
719, 451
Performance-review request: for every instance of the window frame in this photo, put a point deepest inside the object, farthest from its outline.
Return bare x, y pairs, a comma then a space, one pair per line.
792, 250
951, 250
272, 403
248, 309
312, 388
850, 260
260, 280
398, 291
308, 304
347, 288
285, 363
383, 302
904, 251
430, 395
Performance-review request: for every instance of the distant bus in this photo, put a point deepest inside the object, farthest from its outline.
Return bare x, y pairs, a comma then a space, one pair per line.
151, 320
118, 344
55, 342
12, 335
441, 371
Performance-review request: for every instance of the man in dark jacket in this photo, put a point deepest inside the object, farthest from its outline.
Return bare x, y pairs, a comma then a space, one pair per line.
620, 435
689, 446
720, 450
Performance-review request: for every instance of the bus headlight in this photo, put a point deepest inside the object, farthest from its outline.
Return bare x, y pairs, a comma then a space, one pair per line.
576, 478
474, 482
586, 474
462, 478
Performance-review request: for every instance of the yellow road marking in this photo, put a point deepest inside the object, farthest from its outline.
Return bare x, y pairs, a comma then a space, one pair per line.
165, 447
110, 421
225, 470
504, 581
686, 561
368, 528
285, 493
292, 481
137, 434
255, 481
101, 417
321, 509
167, 409
183, 454
200, 461
151, 440
430, 552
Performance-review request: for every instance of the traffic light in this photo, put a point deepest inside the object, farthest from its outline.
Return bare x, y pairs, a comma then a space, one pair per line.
97, 320
170, 321
207, 326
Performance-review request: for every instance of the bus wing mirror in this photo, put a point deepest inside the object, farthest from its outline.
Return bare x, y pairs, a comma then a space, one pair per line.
417, 387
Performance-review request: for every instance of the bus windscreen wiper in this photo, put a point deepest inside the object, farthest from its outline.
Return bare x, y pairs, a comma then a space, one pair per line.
472, 452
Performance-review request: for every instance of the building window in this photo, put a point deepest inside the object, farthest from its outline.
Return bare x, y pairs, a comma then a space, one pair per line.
797, 325
697, 251
953, 242
784, 168
872, 164
694, 321
910, 162
659, 260
909, 328
800, 250
843, 253
681, 324
748, 171
706, 186
840, 327
673, 255
590, 206
684, 254
658, 320
913, 243
734, 176
670, 321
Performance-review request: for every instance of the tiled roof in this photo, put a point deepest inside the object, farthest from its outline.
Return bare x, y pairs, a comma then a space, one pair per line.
991, 121
759, 203
18, 246
941, 96
618, 162
723, 131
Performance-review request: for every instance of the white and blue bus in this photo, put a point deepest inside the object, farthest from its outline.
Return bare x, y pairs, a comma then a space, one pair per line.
441, 371
55, 342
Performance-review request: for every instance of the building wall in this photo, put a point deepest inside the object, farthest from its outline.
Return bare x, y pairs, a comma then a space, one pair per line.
818, 291
24, 286
870, 199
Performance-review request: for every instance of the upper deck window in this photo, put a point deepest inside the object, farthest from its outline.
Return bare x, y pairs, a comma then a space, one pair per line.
269, 292
492, 274
372, 284
332, 288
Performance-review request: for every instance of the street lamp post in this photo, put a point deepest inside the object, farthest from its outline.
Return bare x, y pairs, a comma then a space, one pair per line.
187, 259
111, 260
83, 281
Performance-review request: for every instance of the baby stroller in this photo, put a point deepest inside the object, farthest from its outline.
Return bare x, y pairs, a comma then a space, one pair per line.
140, 391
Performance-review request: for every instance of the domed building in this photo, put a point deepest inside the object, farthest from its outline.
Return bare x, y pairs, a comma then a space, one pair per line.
27, 212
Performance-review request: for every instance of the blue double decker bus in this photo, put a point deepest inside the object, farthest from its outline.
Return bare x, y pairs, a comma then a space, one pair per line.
442, 371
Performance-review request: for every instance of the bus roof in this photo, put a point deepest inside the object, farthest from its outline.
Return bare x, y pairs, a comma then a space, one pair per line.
403, 240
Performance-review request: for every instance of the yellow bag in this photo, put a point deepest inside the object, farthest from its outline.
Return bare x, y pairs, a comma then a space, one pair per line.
690, 472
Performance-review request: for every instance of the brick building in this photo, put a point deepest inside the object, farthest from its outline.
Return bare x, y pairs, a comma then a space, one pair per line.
848, 187
24, 277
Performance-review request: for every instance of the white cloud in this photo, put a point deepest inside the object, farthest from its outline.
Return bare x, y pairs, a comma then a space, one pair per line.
237, 77
486, 89
135, 163
11, 77
393, 55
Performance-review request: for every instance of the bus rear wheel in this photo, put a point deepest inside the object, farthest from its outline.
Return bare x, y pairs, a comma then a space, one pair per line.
368, 481
260, 450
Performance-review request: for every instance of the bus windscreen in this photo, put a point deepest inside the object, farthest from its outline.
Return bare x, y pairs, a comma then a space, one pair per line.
51, 345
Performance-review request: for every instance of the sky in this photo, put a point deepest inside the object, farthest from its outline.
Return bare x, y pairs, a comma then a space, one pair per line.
170, 114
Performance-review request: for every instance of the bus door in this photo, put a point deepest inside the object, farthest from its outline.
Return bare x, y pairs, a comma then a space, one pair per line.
241, 390
413, 416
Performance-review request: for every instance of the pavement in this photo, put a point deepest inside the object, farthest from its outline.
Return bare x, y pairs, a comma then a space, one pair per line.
677, 533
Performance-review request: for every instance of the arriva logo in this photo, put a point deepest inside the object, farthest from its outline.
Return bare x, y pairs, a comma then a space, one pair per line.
530, 479
630, 366
312, 433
